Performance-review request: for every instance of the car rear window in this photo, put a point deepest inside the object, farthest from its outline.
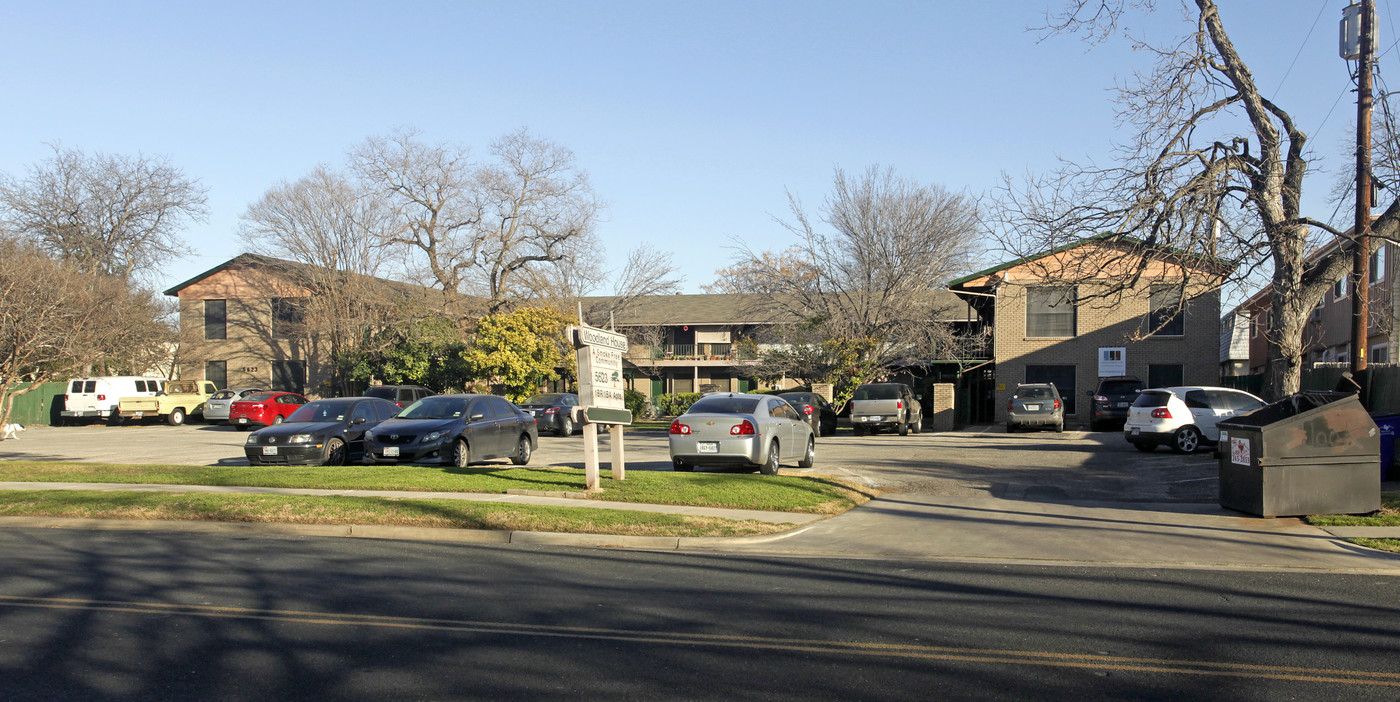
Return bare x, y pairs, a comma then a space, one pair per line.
1153, 399
1040, 393
1120, 387
380, 392
544, 400
724, 405
877, 392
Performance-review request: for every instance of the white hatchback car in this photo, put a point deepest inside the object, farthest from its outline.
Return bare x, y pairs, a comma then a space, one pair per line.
1183, 417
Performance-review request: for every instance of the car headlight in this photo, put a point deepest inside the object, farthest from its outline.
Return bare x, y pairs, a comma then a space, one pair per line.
369, 436
431, 436
252, 439
301, 439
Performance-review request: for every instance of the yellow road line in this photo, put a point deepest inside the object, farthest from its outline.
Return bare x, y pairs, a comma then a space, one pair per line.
945, 653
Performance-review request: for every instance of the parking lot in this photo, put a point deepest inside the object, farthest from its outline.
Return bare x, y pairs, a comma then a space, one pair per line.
1075, 465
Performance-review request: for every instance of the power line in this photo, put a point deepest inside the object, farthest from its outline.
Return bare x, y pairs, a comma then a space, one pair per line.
1300, 49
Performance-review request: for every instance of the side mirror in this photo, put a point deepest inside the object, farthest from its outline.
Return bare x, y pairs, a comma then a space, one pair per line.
475, 417
358, 420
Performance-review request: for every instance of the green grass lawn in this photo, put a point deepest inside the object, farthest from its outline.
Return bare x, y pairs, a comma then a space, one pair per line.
741, 491
1387, 515
300, 509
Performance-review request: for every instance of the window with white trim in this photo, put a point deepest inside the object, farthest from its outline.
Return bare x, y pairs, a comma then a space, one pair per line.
1050, 311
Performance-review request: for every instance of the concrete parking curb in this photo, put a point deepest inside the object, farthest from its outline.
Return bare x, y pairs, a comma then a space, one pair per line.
1363, 532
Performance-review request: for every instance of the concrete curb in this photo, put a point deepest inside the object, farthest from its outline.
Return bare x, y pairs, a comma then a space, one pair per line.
1363, 532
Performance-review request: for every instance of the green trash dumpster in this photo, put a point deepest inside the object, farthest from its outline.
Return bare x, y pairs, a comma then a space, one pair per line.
1311, 453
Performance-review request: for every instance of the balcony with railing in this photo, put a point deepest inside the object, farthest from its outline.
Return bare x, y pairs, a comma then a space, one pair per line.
690, 353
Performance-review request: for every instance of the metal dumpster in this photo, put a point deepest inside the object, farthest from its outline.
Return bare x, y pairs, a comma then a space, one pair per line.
1311, 453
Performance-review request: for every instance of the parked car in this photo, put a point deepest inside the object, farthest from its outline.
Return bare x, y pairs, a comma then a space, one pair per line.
1035, 405
98, 397
401, 395
455, 430
262, 409
734, 429
815, 408
321, 433
553, 411
175, 402
1112, 398
876, 406
1183, 417
217, 406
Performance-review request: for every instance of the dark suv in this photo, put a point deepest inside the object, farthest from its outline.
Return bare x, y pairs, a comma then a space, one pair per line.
1112, 399
401, 395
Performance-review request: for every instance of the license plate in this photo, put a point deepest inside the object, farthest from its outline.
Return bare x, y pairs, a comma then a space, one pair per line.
242, 420
1121, 405
707, 447
391, 450
135, 415
1136, 431
269, 450
1032, 408
871, 419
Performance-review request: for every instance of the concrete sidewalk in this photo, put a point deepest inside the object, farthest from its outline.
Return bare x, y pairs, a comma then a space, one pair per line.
961, 528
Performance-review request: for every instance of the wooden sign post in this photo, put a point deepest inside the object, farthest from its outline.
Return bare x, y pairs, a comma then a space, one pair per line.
601, 396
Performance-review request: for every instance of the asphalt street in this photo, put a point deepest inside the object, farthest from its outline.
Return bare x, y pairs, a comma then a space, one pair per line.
172, 616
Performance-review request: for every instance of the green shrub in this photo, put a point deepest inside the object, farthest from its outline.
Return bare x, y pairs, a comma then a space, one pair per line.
636, 403
672, 404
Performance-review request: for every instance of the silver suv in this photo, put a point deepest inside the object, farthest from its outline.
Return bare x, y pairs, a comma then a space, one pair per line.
1035, 405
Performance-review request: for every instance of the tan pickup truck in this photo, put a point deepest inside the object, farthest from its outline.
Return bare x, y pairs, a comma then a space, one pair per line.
179, 400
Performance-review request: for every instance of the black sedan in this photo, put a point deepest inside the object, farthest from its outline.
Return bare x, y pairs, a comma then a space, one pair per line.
323, 432
553, 411
455, 430
819, 413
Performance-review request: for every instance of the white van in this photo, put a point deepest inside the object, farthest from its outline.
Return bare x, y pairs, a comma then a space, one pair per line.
98, 397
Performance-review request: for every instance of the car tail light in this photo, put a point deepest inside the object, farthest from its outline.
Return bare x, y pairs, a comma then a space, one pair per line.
1161, 413
807, 409
1010, 405
899, 404
1057, 404
552, 410
678, 428
101, 398
399, 404
744, 428
1100, 398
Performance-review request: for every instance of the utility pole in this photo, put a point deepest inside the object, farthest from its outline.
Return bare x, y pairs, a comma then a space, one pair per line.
1361, 254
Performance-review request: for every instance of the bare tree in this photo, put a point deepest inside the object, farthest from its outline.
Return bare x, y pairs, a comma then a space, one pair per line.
58, 320
864, 287
110, 214
1212, 171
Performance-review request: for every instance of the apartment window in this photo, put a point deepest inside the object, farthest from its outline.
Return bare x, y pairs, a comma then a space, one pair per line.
1380, 353
1050, 311
1166, 317
1165, 375
216, 372
1377, 272
288, 376
1339, 288
288, 314
216, 319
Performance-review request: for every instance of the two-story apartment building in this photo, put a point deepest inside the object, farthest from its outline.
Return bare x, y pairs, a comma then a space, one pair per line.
1057, 319
1327, 335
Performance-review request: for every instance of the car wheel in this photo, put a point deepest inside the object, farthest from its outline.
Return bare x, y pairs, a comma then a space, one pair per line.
904, 428
335, 453
176, 417
522, 451
917, 425
678, 464
771, 466
1060, 428
1186, 440
566, 427
461, 455
811, 456
1145, 448
277, 419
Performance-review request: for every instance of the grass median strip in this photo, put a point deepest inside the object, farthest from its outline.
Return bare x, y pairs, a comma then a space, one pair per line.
811, 495
1387, 516
297, 509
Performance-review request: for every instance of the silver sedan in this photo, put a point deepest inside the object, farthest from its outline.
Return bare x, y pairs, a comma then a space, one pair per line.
733, 429
217, 406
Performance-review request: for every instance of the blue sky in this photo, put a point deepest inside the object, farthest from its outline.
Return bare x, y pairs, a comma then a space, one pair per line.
692, 118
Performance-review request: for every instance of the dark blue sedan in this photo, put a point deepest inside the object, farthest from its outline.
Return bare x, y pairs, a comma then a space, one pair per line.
454, 430
324, 432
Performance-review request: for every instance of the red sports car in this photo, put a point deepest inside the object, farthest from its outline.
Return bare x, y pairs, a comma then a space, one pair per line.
263, 409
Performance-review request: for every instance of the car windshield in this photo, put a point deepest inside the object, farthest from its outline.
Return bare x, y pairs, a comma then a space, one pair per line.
1120, 387
544, 400
724, 405
877, 392
322, 411
1041, 393
435, 408
258, 397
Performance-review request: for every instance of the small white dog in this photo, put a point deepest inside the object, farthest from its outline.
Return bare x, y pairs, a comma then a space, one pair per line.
10, 431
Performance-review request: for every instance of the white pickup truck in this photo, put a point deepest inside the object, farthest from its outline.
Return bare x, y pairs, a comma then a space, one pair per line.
179, 400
